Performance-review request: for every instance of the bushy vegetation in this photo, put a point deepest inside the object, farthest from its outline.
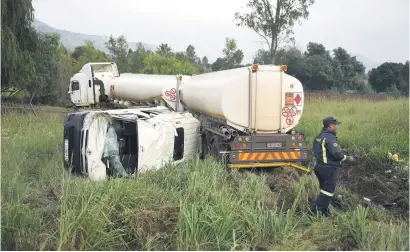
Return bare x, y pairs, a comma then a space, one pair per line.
199, 205
39, 67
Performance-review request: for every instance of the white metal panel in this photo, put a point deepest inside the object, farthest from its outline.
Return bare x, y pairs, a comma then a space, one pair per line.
222, 94
148, 154
96, 137
158, 144
80, 97
139, 87
294, 110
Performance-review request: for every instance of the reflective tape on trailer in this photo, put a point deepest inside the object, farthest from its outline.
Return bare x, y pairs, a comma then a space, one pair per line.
259, 156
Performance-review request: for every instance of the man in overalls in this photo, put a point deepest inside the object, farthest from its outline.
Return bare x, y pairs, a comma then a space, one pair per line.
328, 156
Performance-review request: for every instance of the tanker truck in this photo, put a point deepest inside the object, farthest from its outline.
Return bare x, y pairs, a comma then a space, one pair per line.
246, 115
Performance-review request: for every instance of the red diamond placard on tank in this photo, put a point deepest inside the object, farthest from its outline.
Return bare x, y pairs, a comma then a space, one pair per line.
298, 99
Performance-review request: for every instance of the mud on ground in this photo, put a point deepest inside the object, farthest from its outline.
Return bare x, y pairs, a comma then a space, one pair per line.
386, 185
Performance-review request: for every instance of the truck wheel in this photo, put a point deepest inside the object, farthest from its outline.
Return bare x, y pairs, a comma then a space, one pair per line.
205, 146
214, 150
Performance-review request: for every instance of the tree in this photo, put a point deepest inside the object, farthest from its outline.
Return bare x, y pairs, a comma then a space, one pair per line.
293, 59
205, 62
118, 49
78, 51
233, 56
190, 52
157, 64
53, 69
164, 50
87, 53
262, 57
218, 64
274, 23
390, 76
316, 49
64, 65
18, 43
348, 71
181, 56
136, 58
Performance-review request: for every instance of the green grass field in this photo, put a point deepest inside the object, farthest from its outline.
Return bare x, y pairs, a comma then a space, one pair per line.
201, 206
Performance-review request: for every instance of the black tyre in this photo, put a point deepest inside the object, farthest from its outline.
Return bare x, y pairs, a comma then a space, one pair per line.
214, 150
205, 147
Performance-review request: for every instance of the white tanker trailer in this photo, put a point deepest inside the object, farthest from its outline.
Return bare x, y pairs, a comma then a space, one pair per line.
99, 83
246, 114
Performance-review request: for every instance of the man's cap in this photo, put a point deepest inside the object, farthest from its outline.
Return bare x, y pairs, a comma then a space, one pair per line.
330, 120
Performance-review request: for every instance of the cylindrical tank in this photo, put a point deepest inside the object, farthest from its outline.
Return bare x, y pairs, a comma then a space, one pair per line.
139, 87
267, 101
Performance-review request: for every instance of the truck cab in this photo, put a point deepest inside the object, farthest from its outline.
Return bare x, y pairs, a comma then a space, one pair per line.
87, 86
147, 139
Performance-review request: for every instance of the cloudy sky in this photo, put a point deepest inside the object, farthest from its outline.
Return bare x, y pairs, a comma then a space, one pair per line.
376, 29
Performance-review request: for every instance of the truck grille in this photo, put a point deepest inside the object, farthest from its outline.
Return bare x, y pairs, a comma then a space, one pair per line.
83, 148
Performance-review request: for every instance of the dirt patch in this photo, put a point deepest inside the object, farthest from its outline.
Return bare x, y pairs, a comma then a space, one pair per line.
151, 229
161, 219
387, 185
260, 248
347, 244
281, 178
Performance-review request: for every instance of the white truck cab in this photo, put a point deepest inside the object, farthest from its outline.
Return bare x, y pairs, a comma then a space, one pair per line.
147, 139
87, 88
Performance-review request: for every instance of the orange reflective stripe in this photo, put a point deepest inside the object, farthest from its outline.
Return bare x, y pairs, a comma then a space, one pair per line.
268, 156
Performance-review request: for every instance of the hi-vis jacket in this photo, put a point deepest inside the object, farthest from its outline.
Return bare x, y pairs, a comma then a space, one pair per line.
326, 149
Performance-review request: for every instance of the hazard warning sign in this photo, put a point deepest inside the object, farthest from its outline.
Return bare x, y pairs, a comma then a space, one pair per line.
297, 98
289, 99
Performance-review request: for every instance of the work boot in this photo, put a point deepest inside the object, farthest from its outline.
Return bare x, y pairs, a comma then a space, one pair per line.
328, 213
323, 212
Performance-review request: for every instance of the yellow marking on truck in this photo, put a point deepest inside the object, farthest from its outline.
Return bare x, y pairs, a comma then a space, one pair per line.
292, 154
256, 165
204, 112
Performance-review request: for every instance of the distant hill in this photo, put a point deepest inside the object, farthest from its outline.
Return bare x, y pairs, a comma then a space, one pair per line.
73, 39
368, 63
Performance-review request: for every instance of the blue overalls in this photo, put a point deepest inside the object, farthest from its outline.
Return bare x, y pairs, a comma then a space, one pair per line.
328, 156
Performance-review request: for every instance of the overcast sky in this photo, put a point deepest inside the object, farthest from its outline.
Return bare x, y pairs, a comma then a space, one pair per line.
377, 29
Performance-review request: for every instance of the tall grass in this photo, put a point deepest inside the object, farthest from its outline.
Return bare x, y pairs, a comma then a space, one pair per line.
368, 129
193, 206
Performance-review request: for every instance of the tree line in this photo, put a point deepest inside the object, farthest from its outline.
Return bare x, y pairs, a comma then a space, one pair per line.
339, 71
40, 67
